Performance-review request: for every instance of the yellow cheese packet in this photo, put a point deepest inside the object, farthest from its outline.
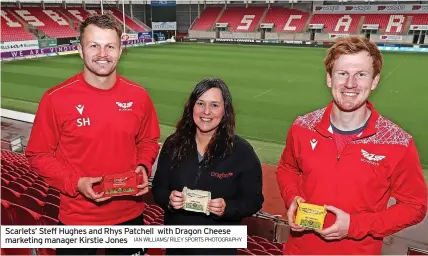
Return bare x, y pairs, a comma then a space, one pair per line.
310, 215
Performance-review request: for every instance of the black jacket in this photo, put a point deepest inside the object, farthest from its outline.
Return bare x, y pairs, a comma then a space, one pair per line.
237, 178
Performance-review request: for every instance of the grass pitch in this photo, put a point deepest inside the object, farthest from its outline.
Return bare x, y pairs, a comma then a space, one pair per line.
270, 86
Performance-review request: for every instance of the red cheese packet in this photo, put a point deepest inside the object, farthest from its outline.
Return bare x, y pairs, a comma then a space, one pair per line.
120, 184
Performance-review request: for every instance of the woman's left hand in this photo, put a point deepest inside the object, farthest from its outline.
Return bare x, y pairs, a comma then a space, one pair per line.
217, 206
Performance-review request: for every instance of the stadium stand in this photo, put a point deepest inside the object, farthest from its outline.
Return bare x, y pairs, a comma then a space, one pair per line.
12, 29
286, 20
337, 23
389, 24
50, 21
128, 21
207, 19
242, 19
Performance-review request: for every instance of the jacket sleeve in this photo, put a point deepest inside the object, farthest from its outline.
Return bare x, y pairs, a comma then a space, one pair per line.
250, 199
409, 189
148, 136
288, 174
42, 149
160, 185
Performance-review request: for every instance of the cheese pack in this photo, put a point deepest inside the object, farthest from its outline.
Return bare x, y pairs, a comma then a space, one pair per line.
310, 215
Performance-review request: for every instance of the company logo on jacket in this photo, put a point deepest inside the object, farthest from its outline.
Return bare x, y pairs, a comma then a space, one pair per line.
82, 121
221, 175
371, 158
125, 106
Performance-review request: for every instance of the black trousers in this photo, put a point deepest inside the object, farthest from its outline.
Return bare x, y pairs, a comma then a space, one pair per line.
108, 251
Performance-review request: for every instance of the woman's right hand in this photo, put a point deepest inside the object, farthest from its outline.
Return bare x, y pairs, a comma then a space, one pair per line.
176, 200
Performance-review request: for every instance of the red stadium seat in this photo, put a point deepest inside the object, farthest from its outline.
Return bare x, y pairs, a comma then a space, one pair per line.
260, 252
206, 20
10, 195
150, 214
275, 252
52, 199
54, 192
241, 19
41, 188
32, 203
286, 20
251, 246
278, 245
36, 194
23, 216
129, 22
259, 239
5, 217
244, 252
51, 210
4, 182
47, 221
157, 208
267, 246
22, 180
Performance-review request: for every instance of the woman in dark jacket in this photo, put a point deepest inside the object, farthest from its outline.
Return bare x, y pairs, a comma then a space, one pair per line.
205, 153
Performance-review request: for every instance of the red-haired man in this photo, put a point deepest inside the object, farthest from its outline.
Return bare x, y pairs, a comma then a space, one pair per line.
352, 160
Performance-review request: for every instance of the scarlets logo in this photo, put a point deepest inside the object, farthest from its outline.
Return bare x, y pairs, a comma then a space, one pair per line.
221, 175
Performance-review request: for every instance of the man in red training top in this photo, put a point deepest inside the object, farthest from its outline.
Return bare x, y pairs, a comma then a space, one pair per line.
95, 123
352, 160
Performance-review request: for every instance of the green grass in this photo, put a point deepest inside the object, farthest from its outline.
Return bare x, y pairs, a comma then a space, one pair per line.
270, 85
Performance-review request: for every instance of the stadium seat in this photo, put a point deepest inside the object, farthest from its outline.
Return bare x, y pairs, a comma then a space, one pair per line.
260, 252
251, 246
130, 23
241, 19
275, 252
47, 221
206, 21
267, 246
22, 215
150, 214
389, 24
8, 176
51, 210
13, 30
4, 182
280, 16
10, 195
54, 192
32, 203
337, 23
52, 199
244, 252
5, 217
420, 19
36, 194
24, 181
49, 20
41, 188
157, 208
278, 245
259, 239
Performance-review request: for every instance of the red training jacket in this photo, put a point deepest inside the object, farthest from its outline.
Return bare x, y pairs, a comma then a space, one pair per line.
381, 163
83, 131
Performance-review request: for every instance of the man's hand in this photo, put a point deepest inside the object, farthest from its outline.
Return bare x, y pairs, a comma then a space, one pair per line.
84, 185
217, 206
176, 200
144, 186
340, 228
291, 215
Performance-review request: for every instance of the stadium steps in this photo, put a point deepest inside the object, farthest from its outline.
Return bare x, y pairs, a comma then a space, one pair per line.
360, 24
308, 21
261, 19
15, 33
218, 18
74, 23
409, 22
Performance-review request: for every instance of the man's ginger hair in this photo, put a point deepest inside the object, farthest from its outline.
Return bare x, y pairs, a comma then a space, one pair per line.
353, 45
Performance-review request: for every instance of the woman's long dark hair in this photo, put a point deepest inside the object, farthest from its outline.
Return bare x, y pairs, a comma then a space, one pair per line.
182, 141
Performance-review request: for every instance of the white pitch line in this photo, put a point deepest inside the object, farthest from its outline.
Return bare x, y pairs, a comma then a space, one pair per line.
258, 95
293, 79
390, 73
